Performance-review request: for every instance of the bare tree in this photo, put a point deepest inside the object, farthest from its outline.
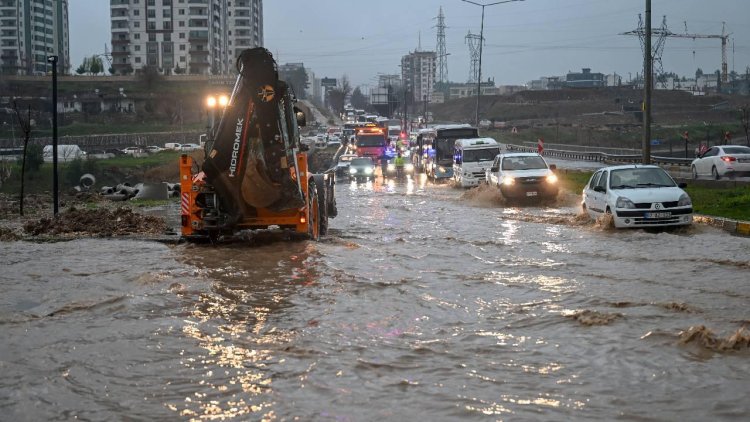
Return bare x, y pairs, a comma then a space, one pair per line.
26, 130
337, 96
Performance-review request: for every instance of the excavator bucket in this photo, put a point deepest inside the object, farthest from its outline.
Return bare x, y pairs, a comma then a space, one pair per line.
252, 162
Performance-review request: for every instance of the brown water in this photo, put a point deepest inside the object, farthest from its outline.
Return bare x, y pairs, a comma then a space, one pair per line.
425, 303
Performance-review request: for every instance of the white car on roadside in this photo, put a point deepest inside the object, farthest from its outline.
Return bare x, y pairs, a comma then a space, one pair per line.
722, 160
637, 196
190, 147
132, 150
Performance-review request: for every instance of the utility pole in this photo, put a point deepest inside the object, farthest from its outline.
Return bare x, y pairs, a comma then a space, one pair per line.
424, 113
647, 84
481, 41
55, 184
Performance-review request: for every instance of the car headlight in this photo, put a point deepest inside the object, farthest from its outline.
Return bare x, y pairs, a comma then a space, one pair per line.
391, 167
409, 167
352, 171
684, 200
508, 181
623, 202
552, 178
368, 170
442, 169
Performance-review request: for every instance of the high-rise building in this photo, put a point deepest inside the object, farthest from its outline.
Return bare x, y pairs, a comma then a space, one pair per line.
31, 31
418, 74
183, 36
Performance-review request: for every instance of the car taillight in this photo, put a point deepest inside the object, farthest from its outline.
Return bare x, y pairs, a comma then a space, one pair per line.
728, 159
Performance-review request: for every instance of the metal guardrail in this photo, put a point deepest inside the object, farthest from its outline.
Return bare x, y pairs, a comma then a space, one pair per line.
601, 156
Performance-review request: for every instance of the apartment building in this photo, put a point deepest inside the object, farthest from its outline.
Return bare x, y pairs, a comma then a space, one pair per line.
183, 36
30, 31
418, 74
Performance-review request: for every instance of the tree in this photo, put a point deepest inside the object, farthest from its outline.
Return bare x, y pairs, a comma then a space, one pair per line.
85, 66
359, 100
698, 73
337, 96
95, 65
26, 130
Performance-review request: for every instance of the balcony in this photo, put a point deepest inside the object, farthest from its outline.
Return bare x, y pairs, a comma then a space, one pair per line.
197, 36
196, 52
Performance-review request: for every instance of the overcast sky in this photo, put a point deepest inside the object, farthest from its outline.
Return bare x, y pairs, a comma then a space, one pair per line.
523, 40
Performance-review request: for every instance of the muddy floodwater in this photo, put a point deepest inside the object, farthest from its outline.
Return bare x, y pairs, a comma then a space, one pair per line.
425, 303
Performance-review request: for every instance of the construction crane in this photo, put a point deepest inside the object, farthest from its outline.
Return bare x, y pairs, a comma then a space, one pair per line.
664, 32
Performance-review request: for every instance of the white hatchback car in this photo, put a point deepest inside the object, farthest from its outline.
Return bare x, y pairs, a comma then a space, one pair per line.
722, 160
637, 196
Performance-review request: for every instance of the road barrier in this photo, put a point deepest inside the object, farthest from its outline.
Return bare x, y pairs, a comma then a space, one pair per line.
601, 156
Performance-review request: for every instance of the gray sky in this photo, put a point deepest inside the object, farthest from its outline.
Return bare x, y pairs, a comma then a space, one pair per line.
524, 40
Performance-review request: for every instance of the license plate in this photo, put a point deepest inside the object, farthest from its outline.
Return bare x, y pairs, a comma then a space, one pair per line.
530, 193
658, 214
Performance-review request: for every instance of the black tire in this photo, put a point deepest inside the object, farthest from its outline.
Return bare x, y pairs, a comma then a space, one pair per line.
313, 212
715, 173
694, 171
320, 186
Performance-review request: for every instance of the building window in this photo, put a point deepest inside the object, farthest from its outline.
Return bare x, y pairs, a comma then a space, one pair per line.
137, 59
182, 47
137, 48
182, 35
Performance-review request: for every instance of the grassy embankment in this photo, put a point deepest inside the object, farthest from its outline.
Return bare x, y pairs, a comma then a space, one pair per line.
732, 203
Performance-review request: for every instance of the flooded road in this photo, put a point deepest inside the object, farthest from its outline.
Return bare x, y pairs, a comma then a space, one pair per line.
424, 303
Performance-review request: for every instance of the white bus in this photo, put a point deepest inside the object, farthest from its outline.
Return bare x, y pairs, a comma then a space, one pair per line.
471, 158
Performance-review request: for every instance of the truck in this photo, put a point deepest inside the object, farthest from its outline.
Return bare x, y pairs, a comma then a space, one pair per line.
370, 141
439, 161
471, 159
255, 173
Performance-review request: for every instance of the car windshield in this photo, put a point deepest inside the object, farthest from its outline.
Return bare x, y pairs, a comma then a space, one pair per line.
529, 162
487, 154
370, 140
640, 178
737, 150
361, 162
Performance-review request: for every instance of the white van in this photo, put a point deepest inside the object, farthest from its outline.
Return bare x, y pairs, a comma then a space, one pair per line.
471, 158
64, 153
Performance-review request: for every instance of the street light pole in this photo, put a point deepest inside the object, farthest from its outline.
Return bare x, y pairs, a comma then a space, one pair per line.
481, 43
55, 183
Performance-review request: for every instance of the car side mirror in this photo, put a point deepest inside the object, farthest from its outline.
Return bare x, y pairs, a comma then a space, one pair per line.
682, 185
599, 189
553, 167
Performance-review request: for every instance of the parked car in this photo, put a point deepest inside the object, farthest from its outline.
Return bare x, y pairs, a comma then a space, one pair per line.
362, 168
190, 147
523, 175
637, 196
173, 145
153, 148
722, 160
132, 150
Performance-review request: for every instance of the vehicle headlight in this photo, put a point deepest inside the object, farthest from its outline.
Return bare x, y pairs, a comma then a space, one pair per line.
623, 202
352, 171
552, 178
442, 169
508, 181
391, 167
368, 170
684, 200
409, 167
